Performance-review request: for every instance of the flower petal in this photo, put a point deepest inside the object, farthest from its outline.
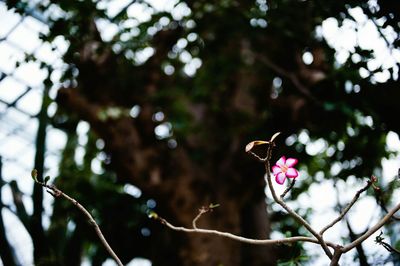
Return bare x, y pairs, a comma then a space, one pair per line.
276, 169
292, 173
290, 162
280, 178
281, 161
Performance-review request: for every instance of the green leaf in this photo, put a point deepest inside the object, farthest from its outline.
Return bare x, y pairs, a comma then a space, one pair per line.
212, 205
153, 215
34, 174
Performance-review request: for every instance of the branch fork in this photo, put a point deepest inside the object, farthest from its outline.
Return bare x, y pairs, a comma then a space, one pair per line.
332, 250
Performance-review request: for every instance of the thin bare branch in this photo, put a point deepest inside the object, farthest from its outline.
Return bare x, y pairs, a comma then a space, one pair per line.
318, 237
54, 191
379, 240
288, 240
389, 248
373, 229
292, 182
289, 210
257, 157
202, 211
348, 207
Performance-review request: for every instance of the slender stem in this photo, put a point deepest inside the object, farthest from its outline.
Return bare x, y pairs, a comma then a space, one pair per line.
318, 237
389, 248
201, 212
288, 240
373, 229
57, 193
288, 188
348, 207
289, 210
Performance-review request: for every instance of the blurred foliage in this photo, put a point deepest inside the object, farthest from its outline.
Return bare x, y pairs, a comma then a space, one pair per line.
222, 73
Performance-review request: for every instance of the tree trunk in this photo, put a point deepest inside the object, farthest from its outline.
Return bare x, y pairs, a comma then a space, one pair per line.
7, 254
40, 245
181, 185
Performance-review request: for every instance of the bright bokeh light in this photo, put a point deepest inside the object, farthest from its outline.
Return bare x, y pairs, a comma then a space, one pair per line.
26, 82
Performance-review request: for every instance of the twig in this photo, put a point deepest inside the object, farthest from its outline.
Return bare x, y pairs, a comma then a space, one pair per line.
289, 210
373, 229
288, 240
348, 207
318, 237
202, 211
55, 192
288, 188
257, 157
387, 246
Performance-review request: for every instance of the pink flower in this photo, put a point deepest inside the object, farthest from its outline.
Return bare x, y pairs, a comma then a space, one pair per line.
284, 168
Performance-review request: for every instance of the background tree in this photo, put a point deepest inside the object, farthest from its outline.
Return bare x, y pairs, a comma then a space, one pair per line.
176, 97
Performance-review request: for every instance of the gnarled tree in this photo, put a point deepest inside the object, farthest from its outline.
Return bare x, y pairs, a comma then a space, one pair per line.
184, 148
